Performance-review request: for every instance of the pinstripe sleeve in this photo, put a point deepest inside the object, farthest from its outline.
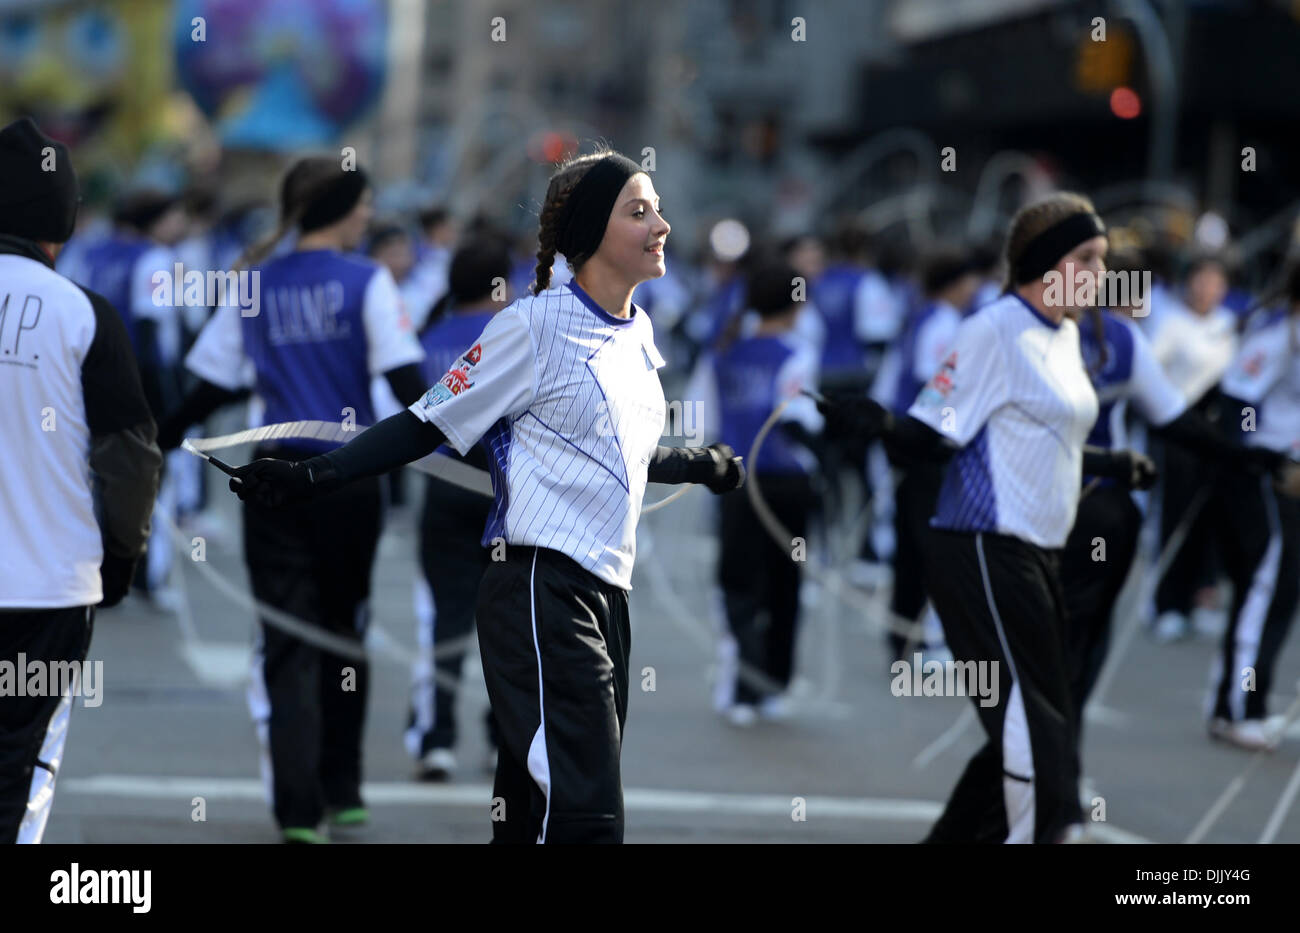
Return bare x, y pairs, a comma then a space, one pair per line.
969, 386
491, 380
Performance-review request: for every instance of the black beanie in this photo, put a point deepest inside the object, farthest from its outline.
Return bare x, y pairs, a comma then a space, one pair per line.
35, 203
321, 191
943, 266
478, 262
770, 289
140, 209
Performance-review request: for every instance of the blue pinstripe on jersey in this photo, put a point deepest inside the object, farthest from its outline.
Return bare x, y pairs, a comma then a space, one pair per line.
967, 500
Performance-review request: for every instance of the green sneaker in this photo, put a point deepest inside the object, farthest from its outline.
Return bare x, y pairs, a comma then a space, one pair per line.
303, 835
350, 816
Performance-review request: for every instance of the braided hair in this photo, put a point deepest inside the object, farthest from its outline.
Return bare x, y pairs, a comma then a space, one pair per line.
565, 178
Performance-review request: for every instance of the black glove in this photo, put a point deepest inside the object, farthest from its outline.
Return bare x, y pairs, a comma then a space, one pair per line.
1135, 470
273, 484
728, 471
1287, 479
855, 417
115, 574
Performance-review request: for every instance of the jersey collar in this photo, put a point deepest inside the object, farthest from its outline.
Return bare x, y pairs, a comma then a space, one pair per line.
1036, 313
600, 312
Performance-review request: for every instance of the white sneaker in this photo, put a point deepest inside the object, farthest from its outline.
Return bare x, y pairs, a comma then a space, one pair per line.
437, 764
1251, 734
776, 708
1276, 725
742, 715
1170, 627
1209, 623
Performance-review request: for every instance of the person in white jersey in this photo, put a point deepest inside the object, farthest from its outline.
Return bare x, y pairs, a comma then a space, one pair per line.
562, 389
1010, 409
79, 475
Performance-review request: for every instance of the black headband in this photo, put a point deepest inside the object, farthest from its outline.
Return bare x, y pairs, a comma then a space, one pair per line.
582, 221
335, 201
1045, 250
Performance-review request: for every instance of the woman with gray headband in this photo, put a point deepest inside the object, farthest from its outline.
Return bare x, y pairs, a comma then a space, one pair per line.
562, 391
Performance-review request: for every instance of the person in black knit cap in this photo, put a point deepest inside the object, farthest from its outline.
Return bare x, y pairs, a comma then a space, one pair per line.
79, 469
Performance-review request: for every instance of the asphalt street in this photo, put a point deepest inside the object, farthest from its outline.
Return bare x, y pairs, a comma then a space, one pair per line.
854, 763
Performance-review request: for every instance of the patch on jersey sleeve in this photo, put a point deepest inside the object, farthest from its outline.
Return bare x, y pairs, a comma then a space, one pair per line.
457, 380
473, 354
436, 395
941, 383
1253, 365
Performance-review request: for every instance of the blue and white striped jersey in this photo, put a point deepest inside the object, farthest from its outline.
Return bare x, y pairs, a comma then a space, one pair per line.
1014, 396
566, 398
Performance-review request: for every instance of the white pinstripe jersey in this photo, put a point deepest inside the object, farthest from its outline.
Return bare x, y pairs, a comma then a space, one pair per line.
566, 399
1014, 395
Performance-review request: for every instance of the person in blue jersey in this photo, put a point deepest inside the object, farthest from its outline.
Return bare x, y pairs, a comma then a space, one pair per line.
120, 267
835, 293
736, 390
146, 226
453, 519
328, 322
947, 282
721, 293
562, 388
1009, 411
1260, 394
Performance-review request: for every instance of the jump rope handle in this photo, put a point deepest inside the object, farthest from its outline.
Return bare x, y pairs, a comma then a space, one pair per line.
223, 467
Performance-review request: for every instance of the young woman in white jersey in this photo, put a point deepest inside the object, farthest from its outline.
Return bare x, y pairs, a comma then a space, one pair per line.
562, 388
1009, 411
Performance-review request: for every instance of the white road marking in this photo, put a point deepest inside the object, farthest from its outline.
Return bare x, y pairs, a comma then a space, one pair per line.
152, 787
